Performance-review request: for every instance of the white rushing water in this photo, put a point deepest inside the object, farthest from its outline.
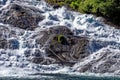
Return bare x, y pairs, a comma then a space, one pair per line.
15, 63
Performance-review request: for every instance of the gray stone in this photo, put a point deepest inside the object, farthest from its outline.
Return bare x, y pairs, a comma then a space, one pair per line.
14, 44
21, 16
62, 46
3, 44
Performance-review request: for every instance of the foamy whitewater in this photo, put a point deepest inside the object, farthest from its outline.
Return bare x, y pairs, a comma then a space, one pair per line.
14, 62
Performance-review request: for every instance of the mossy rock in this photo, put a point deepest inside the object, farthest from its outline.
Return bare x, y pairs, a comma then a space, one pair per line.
53, 31
62, 46
60, 39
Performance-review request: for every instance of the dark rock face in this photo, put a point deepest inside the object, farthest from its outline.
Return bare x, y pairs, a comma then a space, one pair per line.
55, 3
61, 46
21, 16
9, 44
105, 61
13, 44
5, 41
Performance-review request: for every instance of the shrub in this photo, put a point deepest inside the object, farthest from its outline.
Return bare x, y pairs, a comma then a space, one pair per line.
109, 9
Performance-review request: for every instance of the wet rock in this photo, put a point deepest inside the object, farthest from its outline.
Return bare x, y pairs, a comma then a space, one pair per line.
3, 44
27, 53
3, 40
62, 46
63, 30
105, 61
34, 55
21, 16
10, 32
13, 44
4, 32
55, 4
8, 37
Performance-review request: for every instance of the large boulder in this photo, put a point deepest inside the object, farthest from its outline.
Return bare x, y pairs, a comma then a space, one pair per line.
21, 16
61, 46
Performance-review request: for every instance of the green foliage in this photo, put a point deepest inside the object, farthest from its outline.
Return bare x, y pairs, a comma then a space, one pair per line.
106, 8
61, 38
74, 5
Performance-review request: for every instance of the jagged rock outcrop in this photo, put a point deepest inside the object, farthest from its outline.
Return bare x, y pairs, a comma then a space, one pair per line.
21, 16
104, 61
61, 46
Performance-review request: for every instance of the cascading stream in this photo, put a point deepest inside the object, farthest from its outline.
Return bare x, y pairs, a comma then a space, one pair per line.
18, 43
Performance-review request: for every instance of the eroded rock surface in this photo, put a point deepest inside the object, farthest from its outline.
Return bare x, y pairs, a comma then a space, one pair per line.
58, 42
104, 61
9, 37
61, 46
21, 16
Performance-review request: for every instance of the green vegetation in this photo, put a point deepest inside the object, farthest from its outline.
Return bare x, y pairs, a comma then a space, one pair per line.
60, 39
109, 9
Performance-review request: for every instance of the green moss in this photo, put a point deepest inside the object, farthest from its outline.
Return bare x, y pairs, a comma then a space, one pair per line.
61, 38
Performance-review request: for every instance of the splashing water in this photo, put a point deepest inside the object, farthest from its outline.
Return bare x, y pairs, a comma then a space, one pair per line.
21, 43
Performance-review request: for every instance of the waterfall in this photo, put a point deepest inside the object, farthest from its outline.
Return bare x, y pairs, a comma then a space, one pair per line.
17, 44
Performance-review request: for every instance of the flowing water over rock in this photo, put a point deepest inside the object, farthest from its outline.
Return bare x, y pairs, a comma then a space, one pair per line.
36, 38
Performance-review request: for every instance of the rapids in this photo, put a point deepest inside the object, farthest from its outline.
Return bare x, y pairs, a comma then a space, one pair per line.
103, 39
